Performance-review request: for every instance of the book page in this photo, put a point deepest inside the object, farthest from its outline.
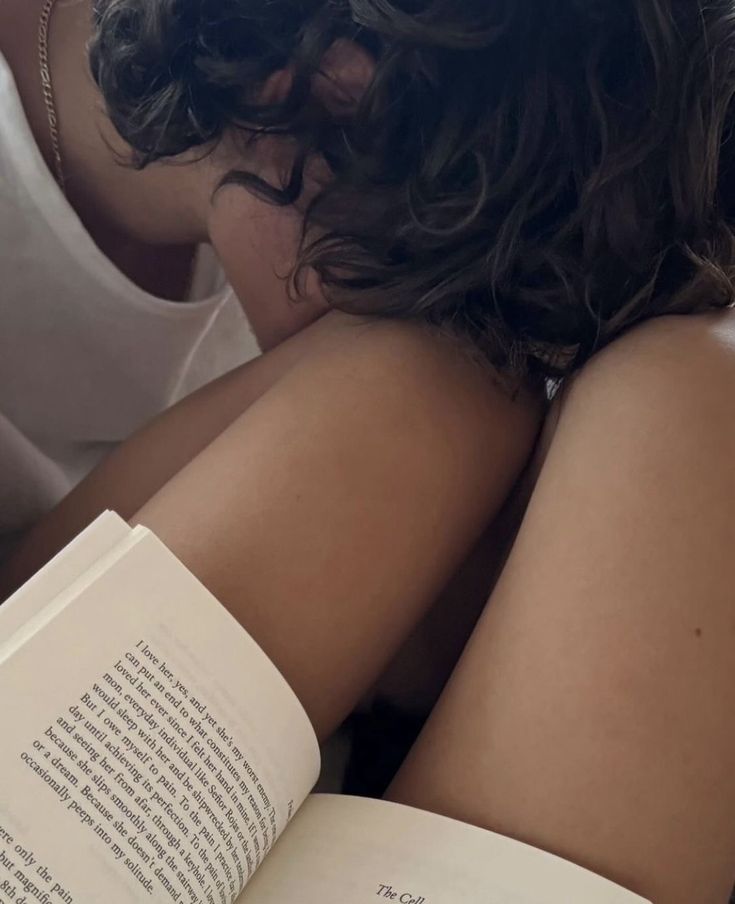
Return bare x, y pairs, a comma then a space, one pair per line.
94, 542
342, 850
150, 750
38, 613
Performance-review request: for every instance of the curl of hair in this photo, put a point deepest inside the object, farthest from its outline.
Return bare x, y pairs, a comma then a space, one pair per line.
540, 175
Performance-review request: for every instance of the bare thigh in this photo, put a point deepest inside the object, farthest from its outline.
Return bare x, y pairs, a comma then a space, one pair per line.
591, 714
147, 461
329, 510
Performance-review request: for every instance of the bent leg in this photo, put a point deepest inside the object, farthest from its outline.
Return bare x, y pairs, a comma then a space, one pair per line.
591, 714
140, 466
330, 514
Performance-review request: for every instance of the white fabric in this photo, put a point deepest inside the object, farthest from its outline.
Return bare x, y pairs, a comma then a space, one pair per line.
86, 356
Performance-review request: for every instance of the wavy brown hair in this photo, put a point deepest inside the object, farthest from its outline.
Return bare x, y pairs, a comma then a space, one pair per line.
538, 174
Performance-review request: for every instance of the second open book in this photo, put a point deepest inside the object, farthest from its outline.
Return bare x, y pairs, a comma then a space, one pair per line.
151, 752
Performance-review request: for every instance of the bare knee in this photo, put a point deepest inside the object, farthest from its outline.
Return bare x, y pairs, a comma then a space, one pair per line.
667, 369
591, 713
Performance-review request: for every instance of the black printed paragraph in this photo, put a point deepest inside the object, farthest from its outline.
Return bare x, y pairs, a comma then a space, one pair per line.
145, 767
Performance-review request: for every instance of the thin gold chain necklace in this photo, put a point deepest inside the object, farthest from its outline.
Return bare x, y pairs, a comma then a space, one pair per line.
47, 87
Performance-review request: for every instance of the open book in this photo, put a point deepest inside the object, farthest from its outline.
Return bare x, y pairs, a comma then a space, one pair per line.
151, 752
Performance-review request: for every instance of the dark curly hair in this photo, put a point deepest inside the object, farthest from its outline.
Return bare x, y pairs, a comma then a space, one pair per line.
537, 174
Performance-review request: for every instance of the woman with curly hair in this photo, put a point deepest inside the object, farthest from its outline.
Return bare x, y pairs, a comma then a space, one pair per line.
428, 209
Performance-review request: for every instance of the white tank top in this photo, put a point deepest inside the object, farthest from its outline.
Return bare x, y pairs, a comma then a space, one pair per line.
86, 357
